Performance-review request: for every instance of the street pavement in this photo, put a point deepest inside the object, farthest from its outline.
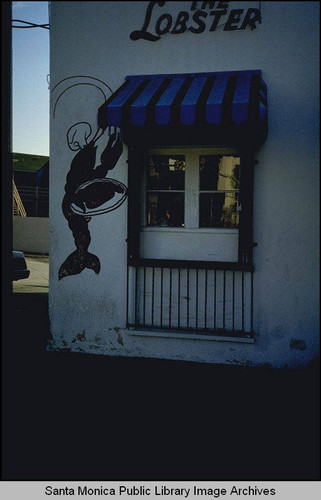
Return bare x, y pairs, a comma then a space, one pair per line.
38, 280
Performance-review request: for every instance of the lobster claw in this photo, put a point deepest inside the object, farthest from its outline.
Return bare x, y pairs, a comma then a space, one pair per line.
112, 152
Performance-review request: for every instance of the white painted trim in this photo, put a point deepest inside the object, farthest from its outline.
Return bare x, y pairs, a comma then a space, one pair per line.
188, 336
200, 230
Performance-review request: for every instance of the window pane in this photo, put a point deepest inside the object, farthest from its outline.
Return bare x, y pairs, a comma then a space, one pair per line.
219, 210
165, 209
219, 173
165, 172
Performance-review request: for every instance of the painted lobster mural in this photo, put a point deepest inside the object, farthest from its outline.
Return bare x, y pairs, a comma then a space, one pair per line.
89, 192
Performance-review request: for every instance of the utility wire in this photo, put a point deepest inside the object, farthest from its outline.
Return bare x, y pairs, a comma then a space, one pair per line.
30, 25
46, 26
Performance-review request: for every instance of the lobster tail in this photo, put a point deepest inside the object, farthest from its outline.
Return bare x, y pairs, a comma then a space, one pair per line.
80, 259
76, 262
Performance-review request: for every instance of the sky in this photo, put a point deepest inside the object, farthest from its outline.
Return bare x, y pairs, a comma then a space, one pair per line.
30, 70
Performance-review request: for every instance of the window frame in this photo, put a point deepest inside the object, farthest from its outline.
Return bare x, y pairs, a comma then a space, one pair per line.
192, 189
136, 208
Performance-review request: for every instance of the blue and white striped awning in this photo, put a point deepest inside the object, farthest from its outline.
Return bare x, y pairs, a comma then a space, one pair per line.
222, 98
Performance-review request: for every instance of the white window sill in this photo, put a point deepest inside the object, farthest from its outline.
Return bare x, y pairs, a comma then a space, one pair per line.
184, 335
217, 230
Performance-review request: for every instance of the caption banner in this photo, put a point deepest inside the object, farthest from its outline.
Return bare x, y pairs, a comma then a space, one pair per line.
160, 490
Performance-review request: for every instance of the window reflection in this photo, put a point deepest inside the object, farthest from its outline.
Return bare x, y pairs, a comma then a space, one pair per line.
219, 173
219, 210
165, 209
165, 184
166, 172
219, 186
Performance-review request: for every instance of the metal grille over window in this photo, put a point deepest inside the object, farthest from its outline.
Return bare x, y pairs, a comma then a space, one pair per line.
206, 301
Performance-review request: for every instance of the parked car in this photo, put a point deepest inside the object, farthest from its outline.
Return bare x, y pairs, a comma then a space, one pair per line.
19, 268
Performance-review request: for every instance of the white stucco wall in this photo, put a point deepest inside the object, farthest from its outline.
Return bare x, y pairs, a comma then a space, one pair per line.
88, 311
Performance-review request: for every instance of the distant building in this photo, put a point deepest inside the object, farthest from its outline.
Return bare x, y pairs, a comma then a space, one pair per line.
31, 184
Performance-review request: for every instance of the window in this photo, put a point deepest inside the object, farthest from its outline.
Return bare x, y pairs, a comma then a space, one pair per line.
191, 204
215, 200
190, 240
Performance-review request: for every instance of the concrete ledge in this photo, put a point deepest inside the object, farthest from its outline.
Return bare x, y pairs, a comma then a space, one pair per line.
188, 336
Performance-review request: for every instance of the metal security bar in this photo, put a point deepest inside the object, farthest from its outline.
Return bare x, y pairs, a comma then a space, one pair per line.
207, 301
